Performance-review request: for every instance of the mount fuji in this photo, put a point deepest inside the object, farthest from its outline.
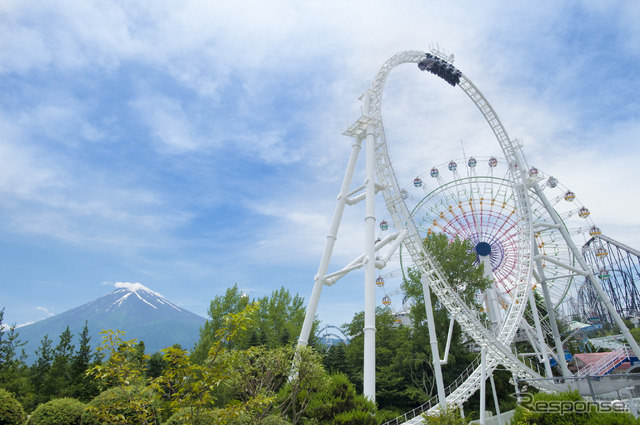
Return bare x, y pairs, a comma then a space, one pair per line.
133, 308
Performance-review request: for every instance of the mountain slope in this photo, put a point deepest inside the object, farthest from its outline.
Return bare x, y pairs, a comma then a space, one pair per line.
142, 313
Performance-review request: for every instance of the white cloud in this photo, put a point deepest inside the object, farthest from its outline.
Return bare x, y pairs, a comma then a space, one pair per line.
169, 124
45, 311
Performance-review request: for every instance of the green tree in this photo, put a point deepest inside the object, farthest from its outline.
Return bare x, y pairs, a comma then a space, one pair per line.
9, 344
82, 387
280, 316
13, 376
124, 370
337, 401
233, 301
457, 260
288, 378
191, 386
458, 263
156, 364
335, 359
278, 321
60, 372
40, 373
393, 348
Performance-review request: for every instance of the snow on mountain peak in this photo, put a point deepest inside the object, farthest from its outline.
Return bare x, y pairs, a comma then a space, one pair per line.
135, 287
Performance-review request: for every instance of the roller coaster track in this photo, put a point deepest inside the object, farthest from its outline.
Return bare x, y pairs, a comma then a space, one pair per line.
496, 346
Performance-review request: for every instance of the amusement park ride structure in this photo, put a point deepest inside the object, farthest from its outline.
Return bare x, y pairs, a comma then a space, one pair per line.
521, 238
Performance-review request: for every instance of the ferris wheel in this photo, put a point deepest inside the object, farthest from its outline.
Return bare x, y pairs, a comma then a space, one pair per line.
518, 235
472, 199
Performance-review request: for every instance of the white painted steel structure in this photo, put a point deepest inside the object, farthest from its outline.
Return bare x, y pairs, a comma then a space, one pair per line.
381, 178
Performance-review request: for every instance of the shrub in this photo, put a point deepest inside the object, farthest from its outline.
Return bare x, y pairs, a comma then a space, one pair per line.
338, 403
213, 417
11, 411
205, 417
450, 415
355, 417
275, 420
60, 411
575, 411
116, 405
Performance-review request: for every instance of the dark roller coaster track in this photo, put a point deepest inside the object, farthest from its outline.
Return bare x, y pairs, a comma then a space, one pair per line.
618, 268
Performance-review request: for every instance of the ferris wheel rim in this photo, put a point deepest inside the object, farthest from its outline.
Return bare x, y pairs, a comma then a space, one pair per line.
446, 189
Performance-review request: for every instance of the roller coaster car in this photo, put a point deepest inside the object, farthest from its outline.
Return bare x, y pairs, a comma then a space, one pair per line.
441, 68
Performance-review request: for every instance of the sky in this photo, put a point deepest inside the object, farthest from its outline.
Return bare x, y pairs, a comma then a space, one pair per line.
190, 146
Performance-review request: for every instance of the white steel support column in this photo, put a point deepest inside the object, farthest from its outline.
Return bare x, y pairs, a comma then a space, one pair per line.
328, 249
552, 316
483, 384
433, 339
369, 387
594, 280
543, 345
493, 306
496, 402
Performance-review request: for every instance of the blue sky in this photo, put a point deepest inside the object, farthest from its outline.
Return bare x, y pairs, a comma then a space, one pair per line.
192, 145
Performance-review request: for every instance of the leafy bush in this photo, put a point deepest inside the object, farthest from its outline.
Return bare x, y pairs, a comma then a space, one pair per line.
130, 405
446, 416
541, 408
11, 411
205, 417
60, 411
355, 417
338, 403
275, 420
215, 417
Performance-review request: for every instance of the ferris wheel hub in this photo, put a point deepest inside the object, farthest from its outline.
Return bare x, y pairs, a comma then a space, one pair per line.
483, 249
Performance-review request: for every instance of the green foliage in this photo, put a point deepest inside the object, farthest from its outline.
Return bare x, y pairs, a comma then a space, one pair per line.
233, 301
355, 417
11, 411
59, 371
572, 410
189, 385
278, 321
9, 345
124, 370
447, 416
183, 417
40, 373
60, 411
635, 332
404, 374
156, 364
286, 378
12, 366
338, 401
125, 365
130, 405
275, 420
307, 379
457, 261
80, 385
335, 359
